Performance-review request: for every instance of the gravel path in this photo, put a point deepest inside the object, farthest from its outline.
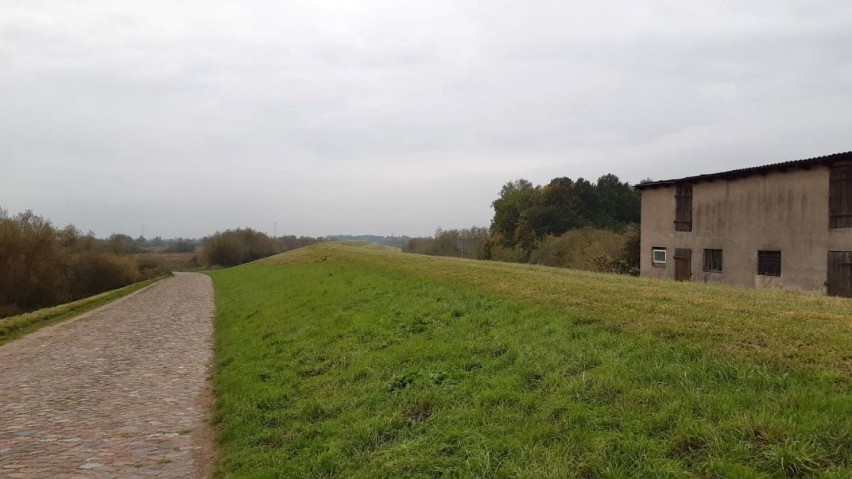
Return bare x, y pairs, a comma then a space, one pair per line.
119, 392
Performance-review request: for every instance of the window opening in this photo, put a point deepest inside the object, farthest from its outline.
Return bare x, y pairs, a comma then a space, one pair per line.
713, 260
769, 263
658, 256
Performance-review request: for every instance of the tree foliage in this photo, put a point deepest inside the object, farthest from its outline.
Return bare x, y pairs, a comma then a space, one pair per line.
243, 245
233, 247
524, 214
565, 223
467, 243
516, 199
41, 265
591, 249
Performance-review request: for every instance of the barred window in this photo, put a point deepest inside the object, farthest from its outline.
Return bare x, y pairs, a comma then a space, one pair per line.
713, 260
769, 263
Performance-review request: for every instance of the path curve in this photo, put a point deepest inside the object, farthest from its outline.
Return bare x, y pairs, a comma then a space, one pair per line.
119, 392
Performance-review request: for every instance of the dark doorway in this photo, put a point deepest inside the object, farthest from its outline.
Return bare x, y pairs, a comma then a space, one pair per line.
683, 264
840, 273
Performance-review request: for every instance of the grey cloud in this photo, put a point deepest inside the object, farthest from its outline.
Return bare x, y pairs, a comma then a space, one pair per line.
370, 117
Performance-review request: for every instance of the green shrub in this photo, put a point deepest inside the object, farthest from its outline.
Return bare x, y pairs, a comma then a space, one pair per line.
587, 249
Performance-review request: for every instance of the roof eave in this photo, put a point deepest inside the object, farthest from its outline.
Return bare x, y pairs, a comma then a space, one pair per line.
752, 171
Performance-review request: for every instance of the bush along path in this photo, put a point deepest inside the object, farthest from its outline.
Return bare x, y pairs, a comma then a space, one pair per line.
121, 392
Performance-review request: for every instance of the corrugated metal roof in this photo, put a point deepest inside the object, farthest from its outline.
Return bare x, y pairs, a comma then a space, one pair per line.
755, 170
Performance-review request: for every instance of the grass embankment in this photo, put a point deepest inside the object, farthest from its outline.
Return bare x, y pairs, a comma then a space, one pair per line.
336, 361
16, 326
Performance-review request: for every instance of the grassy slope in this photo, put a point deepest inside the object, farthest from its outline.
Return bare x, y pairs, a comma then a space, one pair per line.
352, 362
14, 327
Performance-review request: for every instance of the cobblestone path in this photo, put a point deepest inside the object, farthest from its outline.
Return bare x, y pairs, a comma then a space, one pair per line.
120, 392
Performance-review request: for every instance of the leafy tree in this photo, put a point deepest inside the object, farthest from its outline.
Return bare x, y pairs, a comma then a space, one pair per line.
233, 247
515, 198
588, 202
619, 203
41, 265
524, 213
558, 210
32, 272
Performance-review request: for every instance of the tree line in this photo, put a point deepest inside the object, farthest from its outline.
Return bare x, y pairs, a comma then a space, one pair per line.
465, 243
42, 265
566, 223
242, 245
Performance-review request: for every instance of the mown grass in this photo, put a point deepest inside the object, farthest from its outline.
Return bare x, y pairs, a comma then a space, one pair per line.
14, 327
338, 361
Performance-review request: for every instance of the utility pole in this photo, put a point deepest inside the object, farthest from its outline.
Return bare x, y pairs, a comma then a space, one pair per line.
275, 228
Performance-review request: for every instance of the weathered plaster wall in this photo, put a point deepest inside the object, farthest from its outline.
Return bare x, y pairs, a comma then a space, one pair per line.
786, 211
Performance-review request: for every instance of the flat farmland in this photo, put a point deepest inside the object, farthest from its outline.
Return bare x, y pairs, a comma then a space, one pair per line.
172, 260
345, 361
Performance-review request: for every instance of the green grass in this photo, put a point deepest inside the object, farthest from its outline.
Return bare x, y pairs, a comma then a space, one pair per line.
343, 361
14, 327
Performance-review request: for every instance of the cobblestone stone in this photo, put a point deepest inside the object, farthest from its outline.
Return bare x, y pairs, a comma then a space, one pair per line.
119, 392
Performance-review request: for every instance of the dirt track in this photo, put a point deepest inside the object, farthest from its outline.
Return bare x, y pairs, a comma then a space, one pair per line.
120, 392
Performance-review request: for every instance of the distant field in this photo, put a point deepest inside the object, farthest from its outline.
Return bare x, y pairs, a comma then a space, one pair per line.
345, 361
173, 261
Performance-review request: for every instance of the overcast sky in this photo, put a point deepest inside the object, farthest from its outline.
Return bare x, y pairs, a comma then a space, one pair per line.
398, 117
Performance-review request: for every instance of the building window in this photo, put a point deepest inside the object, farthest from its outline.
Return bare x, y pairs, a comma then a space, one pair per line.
658, 256
713, 260
840, 197
769, 263
683, 207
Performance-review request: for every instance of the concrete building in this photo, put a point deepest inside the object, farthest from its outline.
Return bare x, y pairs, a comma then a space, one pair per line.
784, 225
